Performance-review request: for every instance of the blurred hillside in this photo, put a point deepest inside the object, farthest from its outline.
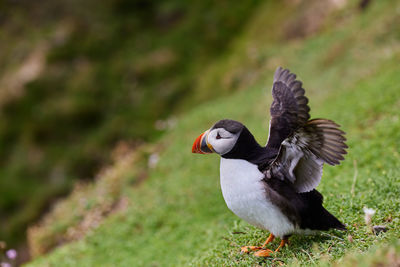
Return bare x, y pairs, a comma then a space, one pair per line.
77, 78
159, 205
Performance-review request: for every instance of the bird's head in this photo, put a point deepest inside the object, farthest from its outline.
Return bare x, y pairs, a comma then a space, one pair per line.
220, 138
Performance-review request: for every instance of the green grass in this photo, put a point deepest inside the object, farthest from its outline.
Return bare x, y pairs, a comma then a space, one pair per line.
177, 217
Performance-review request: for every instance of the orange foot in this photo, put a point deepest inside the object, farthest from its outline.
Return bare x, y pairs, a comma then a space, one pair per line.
248, 249
263, 253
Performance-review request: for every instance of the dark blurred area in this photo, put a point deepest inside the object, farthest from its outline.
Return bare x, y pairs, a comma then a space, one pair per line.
77, 77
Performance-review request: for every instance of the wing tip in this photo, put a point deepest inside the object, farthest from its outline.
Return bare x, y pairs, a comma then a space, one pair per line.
284, 75
331, 139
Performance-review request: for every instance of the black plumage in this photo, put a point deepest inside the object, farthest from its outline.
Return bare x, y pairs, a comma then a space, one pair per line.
293, 158
273, 186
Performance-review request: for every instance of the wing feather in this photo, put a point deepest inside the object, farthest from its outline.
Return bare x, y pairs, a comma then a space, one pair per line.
302, 146
289, 109
302, 155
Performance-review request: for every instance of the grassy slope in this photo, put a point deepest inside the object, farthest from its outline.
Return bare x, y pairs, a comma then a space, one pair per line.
178, 216
108, 73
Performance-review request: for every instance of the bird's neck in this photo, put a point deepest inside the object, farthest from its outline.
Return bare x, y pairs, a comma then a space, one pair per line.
247, 148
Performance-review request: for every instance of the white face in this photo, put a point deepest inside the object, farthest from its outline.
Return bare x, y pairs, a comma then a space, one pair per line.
221, 140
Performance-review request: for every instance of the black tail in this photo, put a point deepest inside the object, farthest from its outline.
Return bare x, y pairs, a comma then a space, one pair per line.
330, 221
315, 216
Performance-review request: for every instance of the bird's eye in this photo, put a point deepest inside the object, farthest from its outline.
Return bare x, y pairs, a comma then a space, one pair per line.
218, 136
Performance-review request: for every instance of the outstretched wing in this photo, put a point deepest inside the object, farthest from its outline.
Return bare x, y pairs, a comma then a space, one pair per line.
289, 109
302, 154
302, 145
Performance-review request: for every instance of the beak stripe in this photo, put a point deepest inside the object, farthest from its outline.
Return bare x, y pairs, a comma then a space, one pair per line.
205, 147
201, 146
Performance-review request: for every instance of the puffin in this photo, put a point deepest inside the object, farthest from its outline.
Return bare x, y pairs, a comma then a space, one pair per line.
272, 187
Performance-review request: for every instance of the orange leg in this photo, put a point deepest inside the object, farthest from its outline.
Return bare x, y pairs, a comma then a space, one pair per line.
282, 244
269, 240
247, 249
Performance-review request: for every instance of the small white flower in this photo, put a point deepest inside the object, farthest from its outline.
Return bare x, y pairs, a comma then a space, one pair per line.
153, 160
368, 215
167, 124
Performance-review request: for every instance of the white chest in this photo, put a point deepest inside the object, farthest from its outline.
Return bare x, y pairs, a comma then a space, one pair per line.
245, 196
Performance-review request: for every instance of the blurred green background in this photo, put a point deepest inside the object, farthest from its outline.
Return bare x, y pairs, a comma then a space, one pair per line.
77, 77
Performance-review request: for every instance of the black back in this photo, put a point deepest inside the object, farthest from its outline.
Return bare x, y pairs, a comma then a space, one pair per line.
304, 209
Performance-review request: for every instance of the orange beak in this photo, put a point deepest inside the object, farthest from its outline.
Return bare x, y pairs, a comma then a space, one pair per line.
201, 146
